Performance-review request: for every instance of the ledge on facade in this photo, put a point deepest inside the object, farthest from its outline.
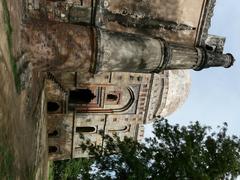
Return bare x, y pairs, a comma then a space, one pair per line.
205, 22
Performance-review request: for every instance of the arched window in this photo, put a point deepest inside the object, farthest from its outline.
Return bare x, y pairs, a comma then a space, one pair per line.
52, 149
52, 134
120, 129
52, 106
112, 97
81, 96
84, 129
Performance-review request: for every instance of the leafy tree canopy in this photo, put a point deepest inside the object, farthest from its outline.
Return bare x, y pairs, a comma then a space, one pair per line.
187, 152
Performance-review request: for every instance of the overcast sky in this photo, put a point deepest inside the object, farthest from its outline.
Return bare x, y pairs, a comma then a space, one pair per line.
215, 93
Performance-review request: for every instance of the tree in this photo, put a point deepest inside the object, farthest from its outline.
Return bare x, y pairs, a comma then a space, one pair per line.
71, 169
187, 152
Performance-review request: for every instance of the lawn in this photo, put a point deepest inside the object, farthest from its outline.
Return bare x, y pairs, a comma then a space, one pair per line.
6, 161
8, 30
50, 170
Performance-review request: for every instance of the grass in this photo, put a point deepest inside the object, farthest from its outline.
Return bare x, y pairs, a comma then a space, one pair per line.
50, 170
6, 163
8, 30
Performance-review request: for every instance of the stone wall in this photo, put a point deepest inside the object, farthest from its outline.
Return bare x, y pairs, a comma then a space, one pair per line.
173, 20
87, 122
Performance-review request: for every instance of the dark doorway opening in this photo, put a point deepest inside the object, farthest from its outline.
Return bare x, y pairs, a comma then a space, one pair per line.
52, 149
112, 97
85, 129
52, 106
53, 134
81, 96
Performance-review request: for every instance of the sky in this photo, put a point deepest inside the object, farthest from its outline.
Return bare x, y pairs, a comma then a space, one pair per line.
215, 92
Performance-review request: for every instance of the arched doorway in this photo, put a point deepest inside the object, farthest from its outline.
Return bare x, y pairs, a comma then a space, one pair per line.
52, 106
53, 134
81, 96
52, 149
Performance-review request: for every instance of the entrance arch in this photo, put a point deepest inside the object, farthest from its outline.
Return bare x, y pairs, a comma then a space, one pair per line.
81, 96
52, 106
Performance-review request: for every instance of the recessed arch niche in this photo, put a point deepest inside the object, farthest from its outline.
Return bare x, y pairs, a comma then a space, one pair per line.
52, 106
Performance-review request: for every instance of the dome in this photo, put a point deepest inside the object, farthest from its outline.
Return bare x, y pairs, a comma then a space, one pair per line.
175, 91
169, 91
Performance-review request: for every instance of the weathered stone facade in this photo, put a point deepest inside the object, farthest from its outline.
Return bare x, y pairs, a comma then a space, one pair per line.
120, 104
114, 65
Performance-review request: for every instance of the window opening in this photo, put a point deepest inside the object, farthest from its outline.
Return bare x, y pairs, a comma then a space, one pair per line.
52, 149
81, 96
52, 106
53, 134
112, 97
125, 128
85, 129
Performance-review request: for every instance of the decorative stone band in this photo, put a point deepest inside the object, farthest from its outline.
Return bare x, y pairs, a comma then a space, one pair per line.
122, 13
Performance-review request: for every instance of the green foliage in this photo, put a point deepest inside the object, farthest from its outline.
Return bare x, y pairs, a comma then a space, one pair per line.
188, 152
118, 157
6, 163
8, 30
71, 169
50, 170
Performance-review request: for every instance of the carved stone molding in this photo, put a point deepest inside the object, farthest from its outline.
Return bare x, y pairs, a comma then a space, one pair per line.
206, 22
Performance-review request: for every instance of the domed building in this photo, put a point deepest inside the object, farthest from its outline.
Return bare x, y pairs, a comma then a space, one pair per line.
169, 92
115, 65
108, 103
